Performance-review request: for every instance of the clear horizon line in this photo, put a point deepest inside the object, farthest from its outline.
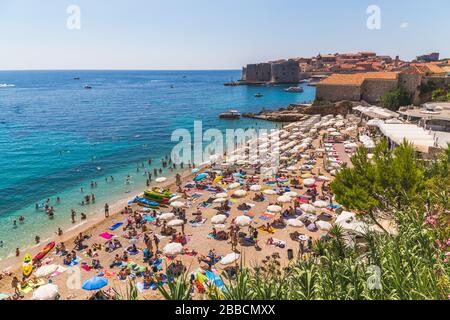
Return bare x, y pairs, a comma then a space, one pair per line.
119, 69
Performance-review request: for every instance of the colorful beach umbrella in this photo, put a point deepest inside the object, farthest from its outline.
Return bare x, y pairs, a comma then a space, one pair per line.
201, 176
95, 283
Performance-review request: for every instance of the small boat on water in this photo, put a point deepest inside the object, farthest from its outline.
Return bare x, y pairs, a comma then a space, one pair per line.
258, 95
76, 78
87, 87
294, 89
230, 114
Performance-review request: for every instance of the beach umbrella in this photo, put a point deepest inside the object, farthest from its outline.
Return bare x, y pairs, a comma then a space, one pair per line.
160, 179
290, 194
269, 192
95, 283
255, 187
335, 134
172, 249
295, 223
175, 223
174, 198
242, 221
46, 292
274, 208
309, 182
307, 208
320, 204
219, 200
221, 195
178, 204
167, 216
234, 185
323, 178
240, 193
219, 219
323, 225
230, 258
345, 217
46, 270
284, 199
201, 176
133, 240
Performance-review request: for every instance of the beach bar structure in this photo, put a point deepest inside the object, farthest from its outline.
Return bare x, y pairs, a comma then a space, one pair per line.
374, 112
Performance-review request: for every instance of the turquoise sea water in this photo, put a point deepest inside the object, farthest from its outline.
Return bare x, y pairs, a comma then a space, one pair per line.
56, 136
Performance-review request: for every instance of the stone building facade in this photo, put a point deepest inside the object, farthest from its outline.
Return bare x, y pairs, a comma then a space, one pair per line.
283, 71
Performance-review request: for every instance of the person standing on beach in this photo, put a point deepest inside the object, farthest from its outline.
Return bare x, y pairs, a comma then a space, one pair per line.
17, 252
106, 210
155, 238
72, 215
15, 285
37, 239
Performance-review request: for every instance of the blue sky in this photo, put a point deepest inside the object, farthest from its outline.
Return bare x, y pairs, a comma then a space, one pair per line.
211, 34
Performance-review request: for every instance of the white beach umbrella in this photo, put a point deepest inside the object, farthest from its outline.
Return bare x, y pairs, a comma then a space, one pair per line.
242, 221
178, 204
323, 178
220, 200
274, 208
230, 258
305, 207
173, 248
240, 193
345, 217
323, 225
255, 187
284, 199
295, 223
234, 185
46, 270
174, 198
175, 223
46, 292
269, 192
221, 195
167, 216
335, 134
161, 179
309, 182
290, 194
320, 204
219, 219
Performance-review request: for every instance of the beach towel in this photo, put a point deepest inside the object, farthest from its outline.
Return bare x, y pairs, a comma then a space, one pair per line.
264, 229
149, 218
106, 235
266, 216
198, 224
215, 279
115, 226
276, 242
75, 261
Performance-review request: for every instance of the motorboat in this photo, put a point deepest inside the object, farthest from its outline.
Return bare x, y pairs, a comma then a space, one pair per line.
230, 114
294, 89
258, 95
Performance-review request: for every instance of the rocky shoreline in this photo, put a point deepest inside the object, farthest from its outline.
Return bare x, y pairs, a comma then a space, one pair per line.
299, 112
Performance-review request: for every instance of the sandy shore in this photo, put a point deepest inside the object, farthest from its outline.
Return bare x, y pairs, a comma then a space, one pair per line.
198, 239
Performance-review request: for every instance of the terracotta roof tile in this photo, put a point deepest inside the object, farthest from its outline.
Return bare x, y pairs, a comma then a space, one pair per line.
357, 79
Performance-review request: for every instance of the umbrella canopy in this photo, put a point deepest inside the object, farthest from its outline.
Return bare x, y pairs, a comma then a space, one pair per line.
221, 195
269, 192
230, 258
160, 179
242, 221
167, 216
45, 271
274, 208
95, 283
295, 223
323, 178
178, 204
309, 182
220, 200
320, 204
255, 187
234, 185
201, 176
290, 194
284, 199
46, 292
174, 198
175, 223
240, 193
173, 248
323, 225
219, 219
305, 207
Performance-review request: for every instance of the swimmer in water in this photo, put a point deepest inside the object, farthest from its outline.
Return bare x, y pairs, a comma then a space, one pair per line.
21, 219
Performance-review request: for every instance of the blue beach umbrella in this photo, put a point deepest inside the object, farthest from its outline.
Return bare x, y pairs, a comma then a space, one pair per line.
200, 176
95, 283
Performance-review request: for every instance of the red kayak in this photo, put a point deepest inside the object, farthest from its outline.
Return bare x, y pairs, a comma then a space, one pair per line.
44, 251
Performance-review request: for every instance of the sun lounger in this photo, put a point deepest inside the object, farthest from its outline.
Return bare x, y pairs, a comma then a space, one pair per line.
115, 226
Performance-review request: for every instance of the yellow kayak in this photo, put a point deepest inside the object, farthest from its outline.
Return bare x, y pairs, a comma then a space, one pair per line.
27, 266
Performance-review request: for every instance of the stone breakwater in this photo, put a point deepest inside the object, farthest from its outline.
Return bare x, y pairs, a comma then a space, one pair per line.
299, 112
